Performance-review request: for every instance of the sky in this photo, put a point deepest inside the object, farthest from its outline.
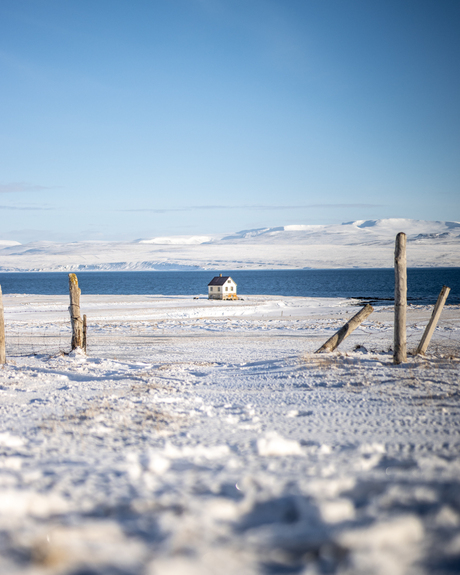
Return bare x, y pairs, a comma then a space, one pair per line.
128, 119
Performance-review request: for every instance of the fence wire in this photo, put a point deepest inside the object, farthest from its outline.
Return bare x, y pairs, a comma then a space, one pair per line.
50, 339
445, 340
27, 340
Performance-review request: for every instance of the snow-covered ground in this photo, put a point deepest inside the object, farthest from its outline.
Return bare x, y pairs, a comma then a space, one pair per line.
349, 245
204, 437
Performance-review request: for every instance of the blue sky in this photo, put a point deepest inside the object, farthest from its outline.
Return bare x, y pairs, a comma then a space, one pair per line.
126, 119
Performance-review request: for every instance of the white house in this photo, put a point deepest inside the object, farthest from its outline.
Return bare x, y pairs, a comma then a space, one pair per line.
222, 288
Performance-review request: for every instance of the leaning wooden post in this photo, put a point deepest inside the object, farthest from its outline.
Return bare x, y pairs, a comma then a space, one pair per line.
429, 330
345, 331
400, 343
74, 309
2, 331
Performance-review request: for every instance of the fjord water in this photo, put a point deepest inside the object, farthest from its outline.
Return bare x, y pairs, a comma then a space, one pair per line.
375, 285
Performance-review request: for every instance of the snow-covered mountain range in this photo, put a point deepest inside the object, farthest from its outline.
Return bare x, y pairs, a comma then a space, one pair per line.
349, 245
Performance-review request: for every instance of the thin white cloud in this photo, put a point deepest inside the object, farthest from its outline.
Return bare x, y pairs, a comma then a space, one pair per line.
253, 207
25, 208
21, 187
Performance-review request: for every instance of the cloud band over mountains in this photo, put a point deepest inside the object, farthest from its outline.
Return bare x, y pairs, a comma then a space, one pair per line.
250, 207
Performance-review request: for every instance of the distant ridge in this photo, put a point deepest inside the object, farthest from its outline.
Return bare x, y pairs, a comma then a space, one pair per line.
359, 243
4, 243
361, 231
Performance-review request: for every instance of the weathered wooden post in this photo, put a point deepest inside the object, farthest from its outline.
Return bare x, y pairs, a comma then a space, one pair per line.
346, 330
400, 343
2, 331
74, 309
429, 330
85, 327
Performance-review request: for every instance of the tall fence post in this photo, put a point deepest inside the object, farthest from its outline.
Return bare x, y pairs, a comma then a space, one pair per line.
2, 331
400, 342
429, 330
74, 309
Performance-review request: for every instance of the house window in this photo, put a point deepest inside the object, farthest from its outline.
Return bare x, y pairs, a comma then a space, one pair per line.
226, 288
210, 289
218, 289
231, 289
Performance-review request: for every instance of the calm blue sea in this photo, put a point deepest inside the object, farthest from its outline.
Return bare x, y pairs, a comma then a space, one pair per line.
375, 285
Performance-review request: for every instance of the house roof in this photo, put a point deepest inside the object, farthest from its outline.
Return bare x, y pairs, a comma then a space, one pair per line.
219, 281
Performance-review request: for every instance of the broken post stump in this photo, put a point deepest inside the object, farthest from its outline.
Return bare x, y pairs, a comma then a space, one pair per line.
2, 331
74, 309
429, 330
400, 342
346, 330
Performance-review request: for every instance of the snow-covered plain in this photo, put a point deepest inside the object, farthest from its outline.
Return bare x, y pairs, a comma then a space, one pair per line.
206, 437
349, 245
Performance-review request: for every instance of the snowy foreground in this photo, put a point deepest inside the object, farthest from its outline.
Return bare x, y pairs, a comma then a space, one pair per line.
202, 437
349, 245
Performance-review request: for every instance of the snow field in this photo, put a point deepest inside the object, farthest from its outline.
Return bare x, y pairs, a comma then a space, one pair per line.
194, 442
364, 243
40, 324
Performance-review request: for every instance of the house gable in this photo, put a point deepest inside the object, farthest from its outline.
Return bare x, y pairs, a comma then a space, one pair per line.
221, 280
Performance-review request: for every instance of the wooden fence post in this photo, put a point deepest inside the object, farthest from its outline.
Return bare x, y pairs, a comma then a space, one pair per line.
346, 330
429, 330
74, 309
85, 327
400, 342
2, 331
